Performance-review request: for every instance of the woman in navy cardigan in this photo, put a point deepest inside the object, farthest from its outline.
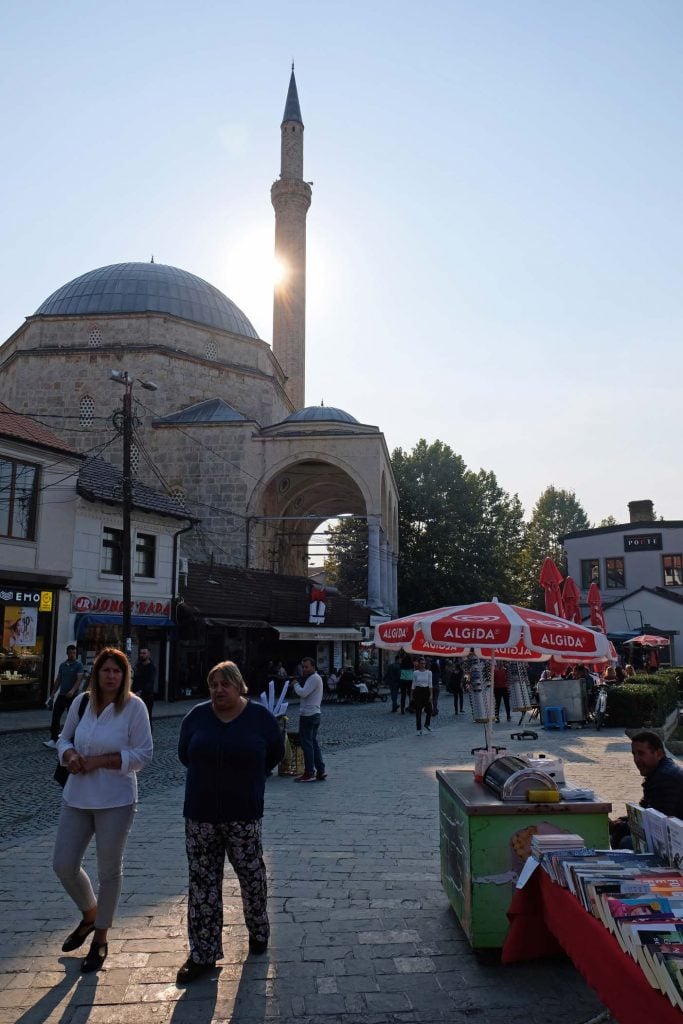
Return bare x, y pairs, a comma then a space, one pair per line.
228, 745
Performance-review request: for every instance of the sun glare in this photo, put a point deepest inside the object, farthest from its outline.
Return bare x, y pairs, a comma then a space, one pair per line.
279, 271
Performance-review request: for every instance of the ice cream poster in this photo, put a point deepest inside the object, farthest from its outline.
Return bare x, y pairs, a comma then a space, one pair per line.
20, 627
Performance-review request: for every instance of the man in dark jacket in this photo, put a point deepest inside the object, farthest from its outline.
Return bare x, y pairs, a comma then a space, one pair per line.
144, 679
662, 785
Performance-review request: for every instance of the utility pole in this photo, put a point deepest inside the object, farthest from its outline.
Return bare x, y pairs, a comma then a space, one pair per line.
122, 377
127, 433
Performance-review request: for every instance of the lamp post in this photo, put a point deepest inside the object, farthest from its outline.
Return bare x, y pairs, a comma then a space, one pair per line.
122, 377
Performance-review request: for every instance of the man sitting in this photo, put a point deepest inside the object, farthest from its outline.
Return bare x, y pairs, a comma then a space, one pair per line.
662, 786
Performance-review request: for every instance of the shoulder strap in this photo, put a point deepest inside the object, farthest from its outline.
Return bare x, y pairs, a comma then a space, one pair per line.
83, 705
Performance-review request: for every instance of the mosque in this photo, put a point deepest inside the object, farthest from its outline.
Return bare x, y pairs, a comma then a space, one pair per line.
227, 433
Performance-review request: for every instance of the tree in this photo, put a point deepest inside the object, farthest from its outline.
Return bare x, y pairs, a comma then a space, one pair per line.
608, 521
555, 514
346, 565
461, 535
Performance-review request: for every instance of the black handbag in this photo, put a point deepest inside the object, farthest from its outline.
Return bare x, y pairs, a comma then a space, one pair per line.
61, 773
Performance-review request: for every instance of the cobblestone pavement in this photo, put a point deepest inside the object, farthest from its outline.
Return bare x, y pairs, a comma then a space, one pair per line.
31, 798
361, 929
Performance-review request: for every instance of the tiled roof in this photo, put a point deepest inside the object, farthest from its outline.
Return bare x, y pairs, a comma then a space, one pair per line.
221, 591
23, 428
100, 481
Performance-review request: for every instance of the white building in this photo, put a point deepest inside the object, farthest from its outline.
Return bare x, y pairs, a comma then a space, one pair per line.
638, 567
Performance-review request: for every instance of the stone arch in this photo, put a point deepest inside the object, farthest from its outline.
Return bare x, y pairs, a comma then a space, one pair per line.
290, 502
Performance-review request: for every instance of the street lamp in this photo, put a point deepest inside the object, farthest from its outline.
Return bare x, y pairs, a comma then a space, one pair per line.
122, 377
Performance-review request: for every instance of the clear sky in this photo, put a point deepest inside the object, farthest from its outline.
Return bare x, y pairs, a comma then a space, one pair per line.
495, 234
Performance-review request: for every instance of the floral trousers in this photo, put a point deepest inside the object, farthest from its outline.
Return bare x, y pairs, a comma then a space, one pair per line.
206, 845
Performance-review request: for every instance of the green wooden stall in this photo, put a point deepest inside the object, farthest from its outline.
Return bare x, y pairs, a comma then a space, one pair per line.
484, 843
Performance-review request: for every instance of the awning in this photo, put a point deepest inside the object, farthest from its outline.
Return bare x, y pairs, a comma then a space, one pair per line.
237, 623
82, 621
318, 633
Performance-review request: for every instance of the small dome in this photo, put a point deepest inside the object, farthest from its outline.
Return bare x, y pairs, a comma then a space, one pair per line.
147, 288
320, 414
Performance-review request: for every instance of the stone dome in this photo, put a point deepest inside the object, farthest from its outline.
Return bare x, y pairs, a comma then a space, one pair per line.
321, 414
147, 288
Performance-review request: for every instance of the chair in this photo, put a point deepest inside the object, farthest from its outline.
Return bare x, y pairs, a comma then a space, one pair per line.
553, 718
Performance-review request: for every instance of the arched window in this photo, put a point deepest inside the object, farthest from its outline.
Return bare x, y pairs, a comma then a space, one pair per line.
134, 459
86, 412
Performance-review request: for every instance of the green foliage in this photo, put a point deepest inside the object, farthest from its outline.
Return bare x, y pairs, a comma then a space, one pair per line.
461, 533
346, 565
556, 513
644, 703
608, 521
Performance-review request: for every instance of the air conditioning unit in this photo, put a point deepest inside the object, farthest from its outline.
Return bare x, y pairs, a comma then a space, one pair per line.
367, 632
183, 566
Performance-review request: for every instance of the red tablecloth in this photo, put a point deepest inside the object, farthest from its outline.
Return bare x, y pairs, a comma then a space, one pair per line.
546, 919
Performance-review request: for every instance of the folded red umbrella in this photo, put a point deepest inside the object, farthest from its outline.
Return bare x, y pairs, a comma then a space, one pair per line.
595, 604
571, 598
550, 578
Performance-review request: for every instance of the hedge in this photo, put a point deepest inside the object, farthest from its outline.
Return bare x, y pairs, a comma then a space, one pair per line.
646, 702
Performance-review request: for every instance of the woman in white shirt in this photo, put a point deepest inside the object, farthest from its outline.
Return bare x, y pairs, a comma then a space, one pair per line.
102, 749
422, 695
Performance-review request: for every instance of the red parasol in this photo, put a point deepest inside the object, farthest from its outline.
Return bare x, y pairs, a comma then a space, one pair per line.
571, 598
648, 640
490, 626
550, 578
595, 604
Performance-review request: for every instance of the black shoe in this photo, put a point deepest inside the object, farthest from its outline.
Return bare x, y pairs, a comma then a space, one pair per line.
191, 970
320, 776
97, 954
78, 936
257, 945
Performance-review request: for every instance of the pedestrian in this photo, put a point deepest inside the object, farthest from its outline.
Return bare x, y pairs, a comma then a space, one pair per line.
501, 693
435, 669
228, 745
102, 749
422, 695
144, 679
406, 681
66, 685
457, 686
310, 693
392, 679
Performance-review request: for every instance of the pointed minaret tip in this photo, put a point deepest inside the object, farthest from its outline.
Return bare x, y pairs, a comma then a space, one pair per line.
292, 108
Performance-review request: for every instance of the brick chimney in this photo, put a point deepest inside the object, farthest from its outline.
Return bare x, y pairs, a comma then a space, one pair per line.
641, 511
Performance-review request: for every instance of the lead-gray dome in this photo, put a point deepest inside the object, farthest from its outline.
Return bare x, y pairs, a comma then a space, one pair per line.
320, 413
147, 288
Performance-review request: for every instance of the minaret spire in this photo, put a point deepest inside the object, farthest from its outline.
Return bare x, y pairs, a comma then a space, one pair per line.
291, 198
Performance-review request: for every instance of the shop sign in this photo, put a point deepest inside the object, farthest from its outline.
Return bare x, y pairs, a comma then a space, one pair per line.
643, 542
112, 605
45, 601
20, 595
317, 606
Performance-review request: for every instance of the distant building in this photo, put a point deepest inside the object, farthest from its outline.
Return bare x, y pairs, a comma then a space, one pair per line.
638, 567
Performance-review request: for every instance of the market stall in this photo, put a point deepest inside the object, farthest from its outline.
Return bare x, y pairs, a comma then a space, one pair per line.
485, 840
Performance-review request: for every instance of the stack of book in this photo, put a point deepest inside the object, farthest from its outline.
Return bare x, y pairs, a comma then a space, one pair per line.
638, 899
541, 844
653, 832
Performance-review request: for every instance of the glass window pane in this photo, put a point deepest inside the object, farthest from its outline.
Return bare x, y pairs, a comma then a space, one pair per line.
24, 501
5, 495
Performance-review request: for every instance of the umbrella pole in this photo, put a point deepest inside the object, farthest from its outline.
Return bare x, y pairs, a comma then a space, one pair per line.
488, 730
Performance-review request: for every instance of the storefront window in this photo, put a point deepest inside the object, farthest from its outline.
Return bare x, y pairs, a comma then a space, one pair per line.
25, 636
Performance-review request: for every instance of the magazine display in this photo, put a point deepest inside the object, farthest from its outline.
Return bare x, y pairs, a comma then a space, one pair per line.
637, 896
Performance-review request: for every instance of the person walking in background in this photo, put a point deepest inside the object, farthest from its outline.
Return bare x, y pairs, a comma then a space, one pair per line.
501, 691
310, 693
66, 685
406, 680
392, 679
102, 749
228, 745
422, 695
144, 679
457, 686
435, 668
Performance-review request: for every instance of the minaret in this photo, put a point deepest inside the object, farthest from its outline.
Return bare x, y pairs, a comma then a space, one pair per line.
291, 197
